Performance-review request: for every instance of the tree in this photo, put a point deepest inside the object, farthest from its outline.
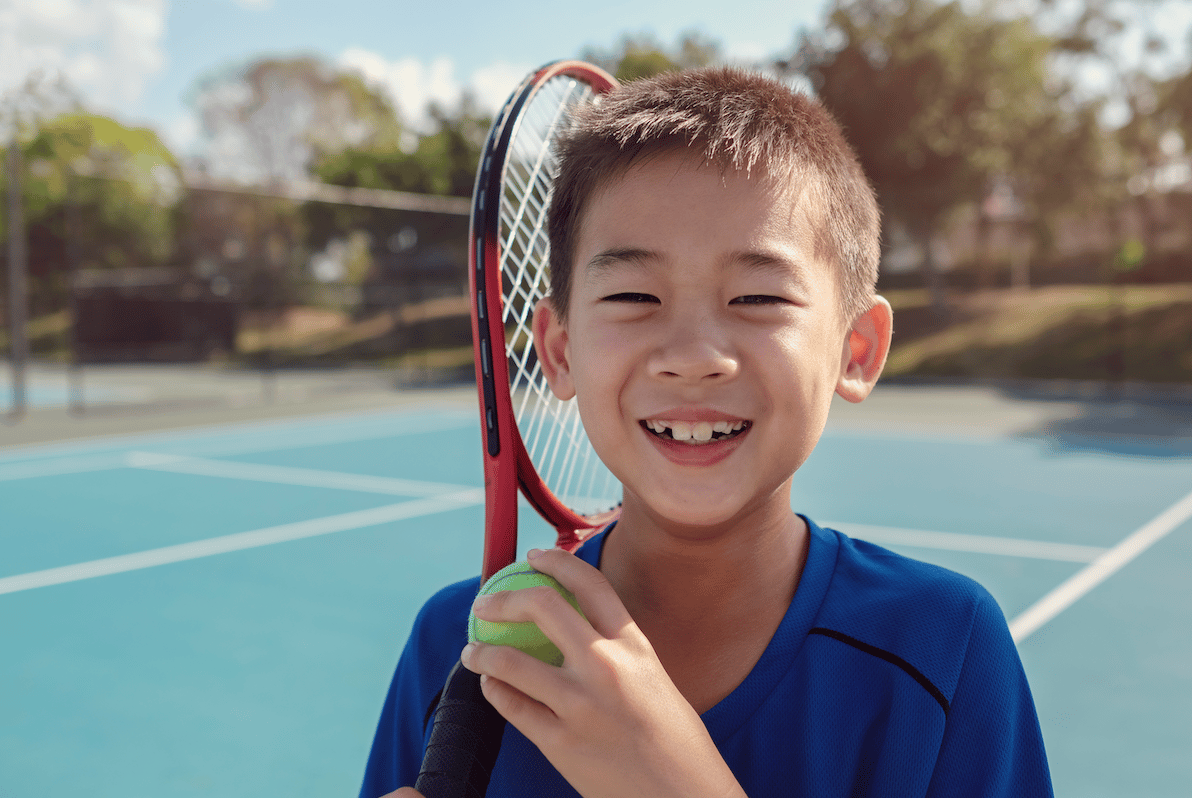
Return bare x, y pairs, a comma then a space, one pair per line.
1060, 165
936, 100
274, 118
443, 162
118, 186
640, 55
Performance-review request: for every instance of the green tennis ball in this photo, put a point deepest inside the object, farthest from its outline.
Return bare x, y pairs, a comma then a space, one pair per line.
523, 636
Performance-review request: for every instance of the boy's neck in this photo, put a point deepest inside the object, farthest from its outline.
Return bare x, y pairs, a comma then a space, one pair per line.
709, 601
702, 573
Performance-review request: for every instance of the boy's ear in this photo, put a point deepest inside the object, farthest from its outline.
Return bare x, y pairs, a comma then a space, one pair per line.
551, 343
865, 350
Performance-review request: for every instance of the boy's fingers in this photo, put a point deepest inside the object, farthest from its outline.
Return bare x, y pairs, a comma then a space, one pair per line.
525, 712
520, 687
543, 606
599, 602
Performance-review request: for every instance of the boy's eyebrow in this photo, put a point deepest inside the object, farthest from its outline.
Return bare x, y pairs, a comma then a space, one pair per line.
751, 260
771, 263
632, 256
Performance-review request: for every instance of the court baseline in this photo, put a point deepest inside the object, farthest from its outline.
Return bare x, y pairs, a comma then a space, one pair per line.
242, 540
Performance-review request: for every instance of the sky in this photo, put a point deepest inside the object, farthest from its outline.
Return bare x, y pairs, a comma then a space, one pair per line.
140, 60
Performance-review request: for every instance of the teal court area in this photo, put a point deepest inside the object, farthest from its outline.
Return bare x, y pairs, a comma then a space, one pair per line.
216, 611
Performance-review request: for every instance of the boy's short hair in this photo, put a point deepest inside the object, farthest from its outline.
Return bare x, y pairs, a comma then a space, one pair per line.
738, 120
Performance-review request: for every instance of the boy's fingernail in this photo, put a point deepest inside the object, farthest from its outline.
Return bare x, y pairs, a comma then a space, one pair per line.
480, 602
466, 654
534, 554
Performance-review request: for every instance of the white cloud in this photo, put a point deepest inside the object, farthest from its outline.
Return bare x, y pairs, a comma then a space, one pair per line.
182, 134
492, 84
414, 85
106, 49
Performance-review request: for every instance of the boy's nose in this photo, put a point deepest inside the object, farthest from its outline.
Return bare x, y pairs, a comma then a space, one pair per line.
694, 352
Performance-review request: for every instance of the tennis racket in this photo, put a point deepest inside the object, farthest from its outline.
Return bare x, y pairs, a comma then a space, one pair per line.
532, 441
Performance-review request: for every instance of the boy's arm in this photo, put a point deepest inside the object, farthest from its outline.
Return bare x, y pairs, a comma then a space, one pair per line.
992, 743
609, 719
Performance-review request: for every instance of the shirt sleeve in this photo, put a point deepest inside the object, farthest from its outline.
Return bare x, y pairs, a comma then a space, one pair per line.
438, 635
992, 744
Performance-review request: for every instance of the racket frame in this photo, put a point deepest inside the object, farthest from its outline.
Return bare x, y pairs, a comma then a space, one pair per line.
507, 465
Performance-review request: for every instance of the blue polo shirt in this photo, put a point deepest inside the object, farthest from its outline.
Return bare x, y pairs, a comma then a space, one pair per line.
886, 677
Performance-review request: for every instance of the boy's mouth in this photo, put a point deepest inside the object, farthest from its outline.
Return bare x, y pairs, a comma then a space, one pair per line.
695, 433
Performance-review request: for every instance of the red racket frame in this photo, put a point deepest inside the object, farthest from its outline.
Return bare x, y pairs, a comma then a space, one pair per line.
507, 465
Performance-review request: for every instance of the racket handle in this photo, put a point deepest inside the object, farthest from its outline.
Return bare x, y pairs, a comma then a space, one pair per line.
464, 740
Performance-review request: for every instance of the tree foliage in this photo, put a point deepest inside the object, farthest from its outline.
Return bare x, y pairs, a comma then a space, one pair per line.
118, 184
274, 118
932, 98
937, 100
641, 55
443, 162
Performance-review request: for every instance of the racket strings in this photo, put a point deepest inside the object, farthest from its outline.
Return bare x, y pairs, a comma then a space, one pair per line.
550, 428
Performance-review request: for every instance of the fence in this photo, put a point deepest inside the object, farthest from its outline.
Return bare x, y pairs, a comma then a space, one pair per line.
260, 278
263, 278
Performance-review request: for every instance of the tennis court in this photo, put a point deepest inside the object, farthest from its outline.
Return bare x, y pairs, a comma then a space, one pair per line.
216, 610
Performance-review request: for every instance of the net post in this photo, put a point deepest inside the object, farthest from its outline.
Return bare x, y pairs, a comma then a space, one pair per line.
18, 265
76, 402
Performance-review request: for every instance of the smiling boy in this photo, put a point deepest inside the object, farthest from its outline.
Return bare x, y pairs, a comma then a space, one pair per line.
714, 254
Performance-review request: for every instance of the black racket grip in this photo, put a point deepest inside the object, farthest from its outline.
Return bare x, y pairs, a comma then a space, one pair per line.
465, 739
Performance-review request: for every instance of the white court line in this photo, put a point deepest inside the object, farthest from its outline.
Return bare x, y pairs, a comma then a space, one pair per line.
287, 475
59, 467
227, 440
981, 544
241, 540
1105, 566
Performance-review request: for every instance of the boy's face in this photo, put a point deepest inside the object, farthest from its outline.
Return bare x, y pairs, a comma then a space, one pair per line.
697, 309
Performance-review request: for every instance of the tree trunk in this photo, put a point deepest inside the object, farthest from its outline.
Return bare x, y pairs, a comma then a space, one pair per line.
932, 279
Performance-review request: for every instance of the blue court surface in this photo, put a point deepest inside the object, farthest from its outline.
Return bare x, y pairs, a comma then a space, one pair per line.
217, 611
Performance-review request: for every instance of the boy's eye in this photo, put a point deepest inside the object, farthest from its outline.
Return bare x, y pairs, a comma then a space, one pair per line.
759, 299
630, 296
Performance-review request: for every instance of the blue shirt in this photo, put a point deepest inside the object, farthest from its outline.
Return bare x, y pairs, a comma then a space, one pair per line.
886, 677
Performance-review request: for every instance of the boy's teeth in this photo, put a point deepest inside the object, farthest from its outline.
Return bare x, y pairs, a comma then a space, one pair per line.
694, 431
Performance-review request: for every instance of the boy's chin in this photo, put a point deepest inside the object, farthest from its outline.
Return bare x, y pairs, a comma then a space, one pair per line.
697, 517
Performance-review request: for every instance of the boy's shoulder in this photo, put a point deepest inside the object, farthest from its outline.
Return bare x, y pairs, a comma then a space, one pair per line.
449, 606
441, 627
920, 614
891, 585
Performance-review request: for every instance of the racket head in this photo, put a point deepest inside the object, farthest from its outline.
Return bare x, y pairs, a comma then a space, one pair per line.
532, 440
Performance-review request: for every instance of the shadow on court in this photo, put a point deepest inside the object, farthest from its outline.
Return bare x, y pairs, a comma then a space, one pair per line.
1153, 426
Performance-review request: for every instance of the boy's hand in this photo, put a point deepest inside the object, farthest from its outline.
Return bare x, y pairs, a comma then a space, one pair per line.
610, 719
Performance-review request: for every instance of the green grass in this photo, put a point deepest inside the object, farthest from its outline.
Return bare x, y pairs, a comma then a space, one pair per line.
1140, 333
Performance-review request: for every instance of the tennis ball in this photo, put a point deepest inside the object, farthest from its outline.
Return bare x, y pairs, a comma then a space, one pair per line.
523, 636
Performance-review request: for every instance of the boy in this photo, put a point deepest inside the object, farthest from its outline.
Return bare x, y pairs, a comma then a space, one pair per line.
714, 254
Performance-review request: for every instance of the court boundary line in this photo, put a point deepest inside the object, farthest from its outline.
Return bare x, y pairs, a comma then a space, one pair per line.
413, 408
115, 457
240, 541
1083, 581
976, 544
287, 475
